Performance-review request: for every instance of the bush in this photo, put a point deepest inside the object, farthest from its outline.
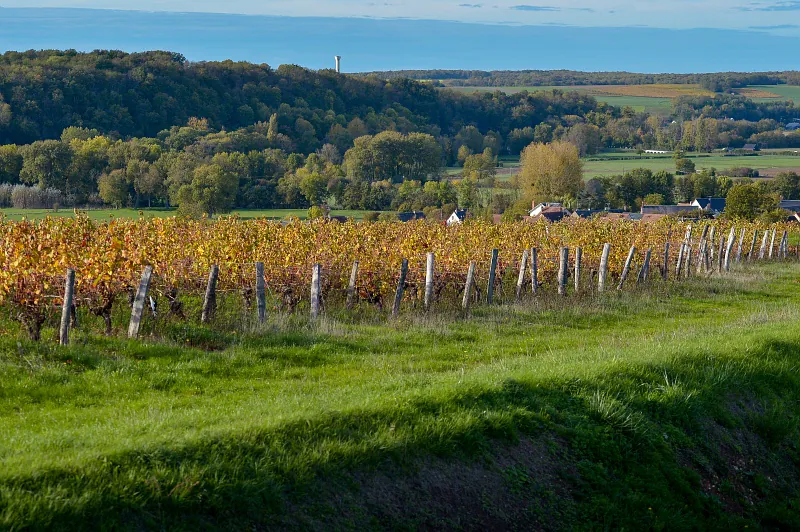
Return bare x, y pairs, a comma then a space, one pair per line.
315, 212
372, 216
388, 217
25, 197
741, 171
775, 216
5, 195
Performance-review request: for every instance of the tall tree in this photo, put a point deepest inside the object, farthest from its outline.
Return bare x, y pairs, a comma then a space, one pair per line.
551, 172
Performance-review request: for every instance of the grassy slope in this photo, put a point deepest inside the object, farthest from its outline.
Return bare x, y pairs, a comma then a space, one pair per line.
632, 411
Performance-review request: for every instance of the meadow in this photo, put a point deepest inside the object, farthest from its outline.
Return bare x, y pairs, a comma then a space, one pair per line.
670, 407
788, 92
615, 163
641, 100
656, 98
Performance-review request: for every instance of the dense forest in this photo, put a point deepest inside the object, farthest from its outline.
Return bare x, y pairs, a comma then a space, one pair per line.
717, 82
112, 128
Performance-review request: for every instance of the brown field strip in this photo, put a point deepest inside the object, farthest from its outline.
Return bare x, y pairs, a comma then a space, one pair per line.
649, 91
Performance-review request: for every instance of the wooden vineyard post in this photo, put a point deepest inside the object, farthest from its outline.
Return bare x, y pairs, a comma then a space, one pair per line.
763, 249
210, 300
492, 277
679, 266
534, 271
702, 255
752, 246
66, 307
682, 251
665, 268
702, 248
603, 275
261, 296
784, 252
316, 290
430, 266
138, 303
741, 245
468, 286
709, 256
729, 249
688, 265
627, 269
644, 273
563, 268
523, 266
351, 286
578, 260
772, 243
401, 286
721, 254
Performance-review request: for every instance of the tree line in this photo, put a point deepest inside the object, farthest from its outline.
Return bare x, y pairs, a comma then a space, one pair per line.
716, 82
111, 128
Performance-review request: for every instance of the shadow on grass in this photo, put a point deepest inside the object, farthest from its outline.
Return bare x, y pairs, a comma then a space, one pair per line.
625, 434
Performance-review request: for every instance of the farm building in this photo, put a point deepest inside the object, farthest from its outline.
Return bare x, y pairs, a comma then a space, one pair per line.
657, 152
713, 205
617, 216
536, 210
550, 214
588, 213
750, 147
794, 126
790, 205
458, 216
409, 216
667, 209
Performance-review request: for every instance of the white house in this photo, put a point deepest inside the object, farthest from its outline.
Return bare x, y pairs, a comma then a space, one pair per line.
538, 209
458, 216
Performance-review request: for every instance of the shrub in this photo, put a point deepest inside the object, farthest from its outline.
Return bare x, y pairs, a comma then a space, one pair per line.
25, 197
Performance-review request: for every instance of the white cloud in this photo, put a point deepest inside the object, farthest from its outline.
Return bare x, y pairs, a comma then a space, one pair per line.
658, 13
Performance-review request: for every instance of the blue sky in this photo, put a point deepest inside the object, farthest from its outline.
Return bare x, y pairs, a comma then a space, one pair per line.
781, 17
372, 37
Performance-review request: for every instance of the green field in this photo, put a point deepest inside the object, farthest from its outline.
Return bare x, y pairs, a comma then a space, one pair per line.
612, 164
616, 163
789, 92
675, 408
652, 104
639, 103
105, 214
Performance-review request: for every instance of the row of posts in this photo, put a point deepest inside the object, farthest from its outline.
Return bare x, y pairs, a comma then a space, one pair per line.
706, 257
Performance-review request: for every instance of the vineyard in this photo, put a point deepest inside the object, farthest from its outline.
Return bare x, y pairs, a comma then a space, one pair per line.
108, 259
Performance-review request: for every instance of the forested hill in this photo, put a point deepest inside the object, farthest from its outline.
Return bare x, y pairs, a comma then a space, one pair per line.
534, 78
142, 94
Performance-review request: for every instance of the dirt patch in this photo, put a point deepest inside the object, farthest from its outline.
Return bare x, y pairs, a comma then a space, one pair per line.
772, 172
756, 93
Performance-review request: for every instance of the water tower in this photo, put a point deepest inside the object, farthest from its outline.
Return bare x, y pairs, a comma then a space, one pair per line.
338, 64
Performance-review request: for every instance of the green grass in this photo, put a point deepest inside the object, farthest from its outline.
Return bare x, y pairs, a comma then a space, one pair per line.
616, 163
789, 92
105, 214
611, 164
639, 103
669, 409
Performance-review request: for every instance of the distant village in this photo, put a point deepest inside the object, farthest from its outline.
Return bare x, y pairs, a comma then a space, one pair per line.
556, 212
